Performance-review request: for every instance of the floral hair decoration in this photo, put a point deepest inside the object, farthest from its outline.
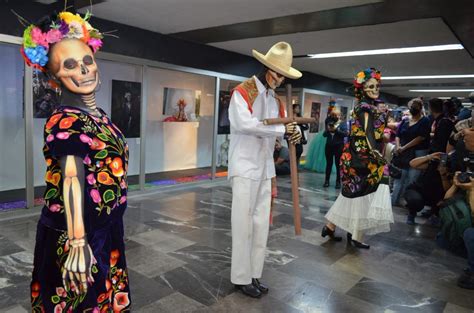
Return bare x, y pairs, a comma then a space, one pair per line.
362, 77
37, 39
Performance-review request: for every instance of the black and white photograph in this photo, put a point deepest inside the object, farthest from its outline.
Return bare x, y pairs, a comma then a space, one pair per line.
45, 97
126, 100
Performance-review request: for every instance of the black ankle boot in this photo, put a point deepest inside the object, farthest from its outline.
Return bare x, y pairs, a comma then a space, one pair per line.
356, 243
326, 183
328, 232
338, 185
249, 290
262, 287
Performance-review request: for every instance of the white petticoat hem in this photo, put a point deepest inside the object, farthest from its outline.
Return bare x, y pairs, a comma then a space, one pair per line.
370, 214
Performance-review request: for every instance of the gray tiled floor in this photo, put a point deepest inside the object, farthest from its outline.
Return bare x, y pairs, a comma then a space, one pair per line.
178, 246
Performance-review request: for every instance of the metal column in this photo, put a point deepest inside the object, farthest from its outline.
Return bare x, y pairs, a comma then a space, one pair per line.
143, 122
29, 166
214, 128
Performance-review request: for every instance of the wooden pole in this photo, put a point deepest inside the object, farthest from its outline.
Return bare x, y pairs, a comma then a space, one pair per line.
294, 169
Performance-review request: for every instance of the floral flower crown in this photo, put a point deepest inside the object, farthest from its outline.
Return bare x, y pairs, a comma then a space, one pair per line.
38, 39
365, 75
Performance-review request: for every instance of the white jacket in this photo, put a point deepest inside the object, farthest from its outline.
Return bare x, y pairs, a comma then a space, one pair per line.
252, 143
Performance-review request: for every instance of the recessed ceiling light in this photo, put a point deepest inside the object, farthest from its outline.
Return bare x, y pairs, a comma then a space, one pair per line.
446, 98
428, 77
386, 51
441, 90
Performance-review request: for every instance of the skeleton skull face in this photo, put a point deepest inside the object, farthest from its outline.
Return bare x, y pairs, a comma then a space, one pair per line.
372, 88
73, 63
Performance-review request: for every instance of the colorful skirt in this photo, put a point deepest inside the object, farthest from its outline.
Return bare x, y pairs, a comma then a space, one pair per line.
110, 291
370, 214
315, 156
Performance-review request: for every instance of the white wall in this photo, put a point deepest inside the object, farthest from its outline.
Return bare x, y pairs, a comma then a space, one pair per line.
178, 145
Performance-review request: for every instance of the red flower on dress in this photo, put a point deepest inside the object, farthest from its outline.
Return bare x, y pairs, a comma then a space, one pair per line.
67, 122
116, 167
53, 120
35, 289
97, 144
114, 256
121, 301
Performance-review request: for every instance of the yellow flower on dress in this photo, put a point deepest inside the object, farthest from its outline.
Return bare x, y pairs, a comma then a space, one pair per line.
68, 17
372, 167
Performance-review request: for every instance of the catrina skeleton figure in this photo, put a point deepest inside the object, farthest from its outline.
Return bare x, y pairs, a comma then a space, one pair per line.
79, 261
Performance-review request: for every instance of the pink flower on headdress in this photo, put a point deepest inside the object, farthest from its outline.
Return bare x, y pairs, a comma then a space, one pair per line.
39, 37
95, 44
54, 36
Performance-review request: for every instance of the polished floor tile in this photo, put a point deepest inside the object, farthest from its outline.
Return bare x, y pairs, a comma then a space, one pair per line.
178, 247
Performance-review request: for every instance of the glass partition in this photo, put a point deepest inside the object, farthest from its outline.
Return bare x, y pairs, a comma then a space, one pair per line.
179, 127
12, 129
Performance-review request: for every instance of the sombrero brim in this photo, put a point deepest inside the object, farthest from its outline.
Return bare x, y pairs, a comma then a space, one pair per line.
290, 73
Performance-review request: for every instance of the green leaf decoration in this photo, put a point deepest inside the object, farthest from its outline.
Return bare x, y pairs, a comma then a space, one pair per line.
109, 210
103, 137
108, 196
60, 251
101, 154
106, 130
94, 269
113, 270
55, 299
51, 193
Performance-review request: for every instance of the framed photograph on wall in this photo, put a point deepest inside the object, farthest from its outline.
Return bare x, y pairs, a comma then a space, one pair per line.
126, 103
45, 98
223, 125
181, 105
315, 112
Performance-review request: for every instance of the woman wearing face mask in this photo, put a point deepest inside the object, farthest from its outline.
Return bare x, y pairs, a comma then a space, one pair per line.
412, 141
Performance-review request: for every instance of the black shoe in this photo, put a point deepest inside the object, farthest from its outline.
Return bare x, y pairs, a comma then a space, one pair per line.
355, 243
326, 184
249, 290
466, 280
262, 287
338, 185
328, 232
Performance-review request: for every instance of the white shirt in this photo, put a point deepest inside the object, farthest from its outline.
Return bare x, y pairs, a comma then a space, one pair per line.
252, 143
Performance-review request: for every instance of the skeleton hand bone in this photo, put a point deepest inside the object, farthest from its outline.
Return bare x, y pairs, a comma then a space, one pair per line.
291, 128
295, 138
77, 268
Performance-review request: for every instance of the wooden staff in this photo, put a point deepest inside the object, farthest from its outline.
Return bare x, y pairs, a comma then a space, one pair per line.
292, 148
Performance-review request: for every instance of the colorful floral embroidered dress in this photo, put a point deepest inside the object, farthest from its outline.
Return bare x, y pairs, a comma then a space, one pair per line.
71, 131
364, 205
362, 169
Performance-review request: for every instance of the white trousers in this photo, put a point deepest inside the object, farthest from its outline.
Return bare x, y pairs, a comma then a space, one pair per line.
251, 200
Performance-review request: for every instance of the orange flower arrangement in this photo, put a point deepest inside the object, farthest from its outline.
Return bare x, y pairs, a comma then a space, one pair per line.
114, 256
104, 178
53, 120
97, 144
67, 122
117, 167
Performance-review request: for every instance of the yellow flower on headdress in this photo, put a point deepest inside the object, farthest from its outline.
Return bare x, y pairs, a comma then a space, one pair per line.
68, 17
361, 75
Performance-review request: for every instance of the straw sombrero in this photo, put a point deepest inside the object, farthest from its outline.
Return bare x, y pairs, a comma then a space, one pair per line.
279, 59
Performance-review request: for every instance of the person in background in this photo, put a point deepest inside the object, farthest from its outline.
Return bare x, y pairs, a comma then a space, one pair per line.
334, 133
303, 128
443, 124
413, 140
281, 156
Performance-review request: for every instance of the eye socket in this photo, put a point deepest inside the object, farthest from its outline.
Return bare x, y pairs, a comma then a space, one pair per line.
88, 60
70, 64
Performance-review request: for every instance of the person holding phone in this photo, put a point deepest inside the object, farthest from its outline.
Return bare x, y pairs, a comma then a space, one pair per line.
430, 186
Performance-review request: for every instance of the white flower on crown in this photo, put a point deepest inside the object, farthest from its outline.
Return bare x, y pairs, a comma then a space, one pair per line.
75, 30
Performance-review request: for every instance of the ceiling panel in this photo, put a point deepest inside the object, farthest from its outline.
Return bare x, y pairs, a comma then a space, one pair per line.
171, 16
390, 35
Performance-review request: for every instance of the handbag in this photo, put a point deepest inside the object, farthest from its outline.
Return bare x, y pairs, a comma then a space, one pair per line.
402, 160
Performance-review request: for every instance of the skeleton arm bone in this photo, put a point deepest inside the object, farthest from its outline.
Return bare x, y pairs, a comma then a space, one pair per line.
77, 267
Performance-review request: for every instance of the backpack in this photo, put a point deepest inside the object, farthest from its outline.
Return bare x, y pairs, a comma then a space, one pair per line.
455, 216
